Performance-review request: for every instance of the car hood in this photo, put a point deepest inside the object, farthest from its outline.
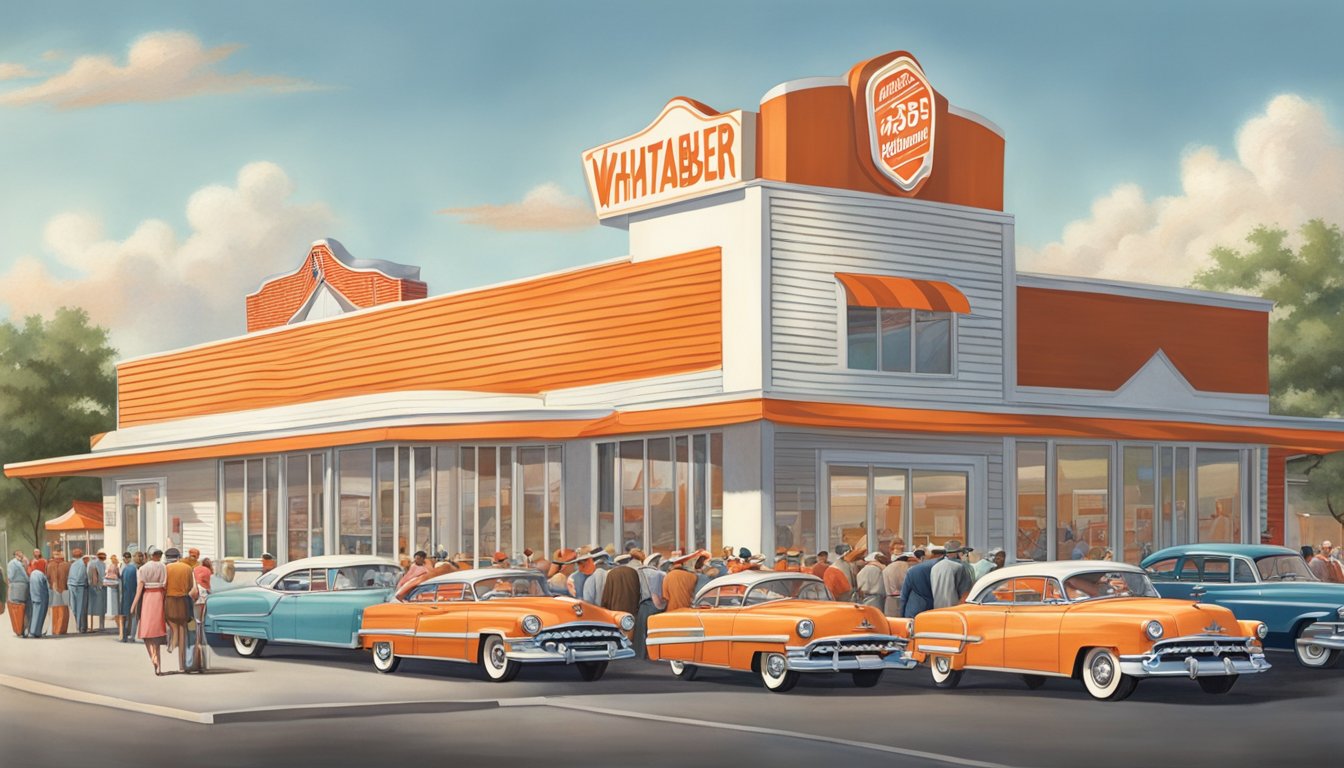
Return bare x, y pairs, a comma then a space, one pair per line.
1178, 617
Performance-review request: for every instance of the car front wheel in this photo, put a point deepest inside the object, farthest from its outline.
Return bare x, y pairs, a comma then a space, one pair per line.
495, 661
248, 647
1315, 656
683, 670
384, 660
1102, 676
775, 673
944, 676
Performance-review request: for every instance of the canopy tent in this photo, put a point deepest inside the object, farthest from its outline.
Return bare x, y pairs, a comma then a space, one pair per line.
81, 526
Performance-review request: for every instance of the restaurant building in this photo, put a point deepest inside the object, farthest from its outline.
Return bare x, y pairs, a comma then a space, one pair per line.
819, 335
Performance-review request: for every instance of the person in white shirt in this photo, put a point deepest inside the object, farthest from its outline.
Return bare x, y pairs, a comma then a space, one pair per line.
869, 588
992, 560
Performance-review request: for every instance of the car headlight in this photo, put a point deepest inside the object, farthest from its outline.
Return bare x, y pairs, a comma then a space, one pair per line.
531, 625
1262, 630
1154, 630
806, 628
1340, 612
627, 623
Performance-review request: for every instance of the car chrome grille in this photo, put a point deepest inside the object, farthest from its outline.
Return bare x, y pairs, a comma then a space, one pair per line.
580, 635
828, 647
1202, 647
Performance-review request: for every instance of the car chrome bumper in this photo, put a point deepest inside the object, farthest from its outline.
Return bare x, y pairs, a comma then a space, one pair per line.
1326, 634
529, 652
1197, 656
850, 654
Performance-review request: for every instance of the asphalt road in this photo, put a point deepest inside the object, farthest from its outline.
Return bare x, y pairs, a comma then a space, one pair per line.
639, 715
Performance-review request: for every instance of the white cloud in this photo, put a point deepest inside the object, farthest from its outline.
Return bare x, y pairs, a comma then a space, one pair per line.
544, 207
1289, 167
156, 291
12, 71
160, 66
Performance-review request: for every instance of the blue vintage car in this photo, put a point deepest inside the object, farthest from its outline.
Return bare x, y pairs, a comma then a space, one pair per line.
1266, 583
313, 601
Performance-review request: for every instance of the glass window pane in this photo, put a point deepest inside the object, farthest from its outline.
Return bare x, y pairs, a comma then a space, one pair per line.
1218, 482
403, 503
467, 484
506, 500
1162, 523
554, 498
272, 506
355, 470
700, 492
256, 506
424, 501
487, 495
606, 498
632, 496
1181, 488
716, 462
233, 513
682, 456
939, 502
849, 504
933, 342
385, 507
1083, 477
317, 503
895, 339
533, 461
296, 506
1032, 532
662, 498
1137, 495
446, 500
889, 509
862, 330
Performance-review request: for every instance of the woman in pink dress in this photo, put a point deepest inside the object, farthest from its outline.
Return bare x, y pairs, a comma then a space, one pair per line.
152, 578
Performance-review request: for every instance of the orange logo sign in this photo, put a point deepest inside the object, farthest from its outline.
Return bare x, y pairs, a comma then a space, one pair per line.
901, 113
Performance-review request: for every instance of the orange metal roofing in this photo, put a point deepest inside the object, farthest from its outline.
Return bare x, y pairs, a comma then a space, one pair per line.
596, 325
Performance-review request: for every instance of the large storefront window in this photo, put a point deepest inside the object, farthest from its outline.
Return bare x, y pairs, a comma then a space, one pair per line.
305, 477
1131, 499
904, 507
251, 507
510, 499
661, 494
386, 500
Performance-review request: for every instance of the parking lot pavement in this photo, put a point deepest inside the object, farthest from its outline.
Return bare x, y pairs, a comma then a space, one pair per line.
1285, 715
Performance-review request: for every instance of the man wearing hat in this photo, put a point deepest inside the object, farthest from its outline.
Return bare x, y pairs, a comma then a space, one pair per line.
950, 580
267, 562
893, 578
500, 560
679, 584
562, 565
917, 591
97, 592
992, 560
835, 579
597, 580
58, 575
77, 582
584, 566
16, 577
868, 588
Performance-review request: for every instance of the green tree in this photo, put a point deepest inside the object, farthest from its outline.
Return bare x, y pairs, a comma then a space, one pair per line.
1306, 331
57, 388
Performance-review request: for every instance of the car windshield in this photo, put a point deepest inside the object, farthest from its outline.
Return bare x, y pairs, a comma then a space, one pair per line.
512, 586
1283, 568
786, 589
364, 577
1096, 585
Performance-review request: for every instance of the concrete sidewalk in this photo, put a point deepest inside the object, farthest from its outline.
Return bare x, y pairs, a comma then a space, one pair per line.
284, 683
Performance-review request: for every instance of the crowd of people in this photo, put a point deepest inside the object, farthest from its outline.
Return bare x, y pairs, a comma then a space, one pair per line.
1326, 562
151, 597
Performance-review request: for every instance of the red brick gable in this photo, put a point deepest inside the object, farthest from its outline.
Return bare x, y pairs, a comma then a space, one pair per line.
362, 284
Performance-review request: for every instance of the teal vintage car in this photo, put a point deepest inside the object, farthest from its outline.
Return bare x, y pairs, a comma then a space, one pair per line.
1262, 582
313, 601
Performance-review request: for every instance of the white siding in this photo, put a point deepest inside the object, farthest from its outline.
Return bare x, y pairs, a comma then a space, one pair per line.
193, 495
814, 234
797, 454
640, 392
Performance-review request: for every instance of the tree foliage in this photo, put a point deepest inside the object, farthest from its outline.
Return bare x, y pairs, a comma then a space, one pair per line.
1306, 332
57, 388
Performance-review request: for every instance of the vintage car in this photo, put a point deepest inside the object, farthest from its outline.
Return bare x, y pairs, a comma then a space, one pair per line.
1099, 621
1263, 583
500, 618
777, 624
313, 601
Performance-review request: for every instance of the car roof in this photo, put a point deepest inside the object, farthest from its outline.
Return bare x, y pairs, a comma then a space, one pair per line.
1059, 569
475, 574
1246, 550
333, 561
750, 578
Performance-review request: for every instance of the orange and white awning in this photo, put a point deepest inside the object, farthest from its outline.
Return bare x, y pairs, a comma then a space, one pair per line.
82, 516
902, 292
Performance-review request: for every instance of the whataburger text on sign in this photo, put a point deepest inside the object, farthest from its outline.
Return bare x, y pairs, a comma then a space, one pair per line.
686, 151
901, 109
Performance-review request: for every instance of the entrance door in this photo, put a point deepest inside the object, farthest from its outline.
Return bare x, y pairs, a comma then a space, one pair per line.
141, 515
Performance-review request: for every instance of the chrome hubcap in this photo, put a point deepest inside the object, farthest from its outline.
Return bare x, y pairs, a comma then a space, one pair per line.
497, 655
678, 667
384, 651
775, 665
1102, 671
942, 665
1313, 651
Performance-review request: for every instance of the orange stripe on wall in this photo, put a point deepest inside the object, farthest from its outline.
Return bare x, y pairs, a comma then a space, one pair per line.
1217, 349
592, 326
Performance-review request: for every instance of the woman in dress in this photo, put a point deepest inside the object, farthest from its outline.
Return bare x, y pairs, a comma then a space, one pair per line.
151, 579
112, 583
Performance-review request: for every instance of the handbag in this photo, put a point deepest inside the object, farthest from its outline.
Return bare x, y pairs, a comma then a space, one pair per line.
175, 610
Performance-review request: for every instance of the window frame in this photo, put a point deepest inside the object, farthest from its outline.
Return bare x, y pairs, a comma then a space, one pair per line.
842, 339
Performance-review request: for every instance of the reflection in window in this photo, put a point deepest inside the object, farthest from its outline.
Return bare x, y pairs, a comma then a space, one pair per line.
1032, 526
660, 493
898, 340
1082, 479
1218, 480
939, 508
1137, 495
355, 484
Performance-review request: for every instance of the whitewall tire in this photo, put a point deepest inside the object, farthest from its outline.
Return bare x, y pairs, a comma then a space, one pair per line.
248, 647
775, 673
944, 676
384, 660
1102, 676
683, 670
496, 663
1313, 655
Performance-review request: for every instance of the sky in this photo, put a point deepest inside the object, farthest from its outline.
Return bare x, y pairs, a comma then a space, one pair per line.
159, 160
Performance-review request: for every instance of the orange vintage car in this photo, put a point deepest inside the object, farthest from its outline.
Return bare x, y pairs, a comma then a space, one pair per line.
499, 618
1099, 621
777, 624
